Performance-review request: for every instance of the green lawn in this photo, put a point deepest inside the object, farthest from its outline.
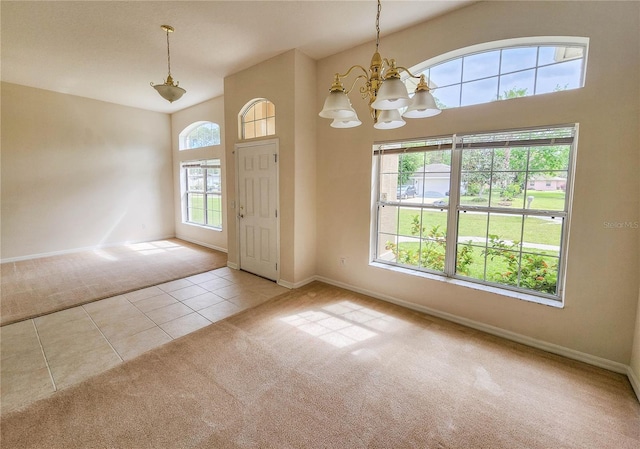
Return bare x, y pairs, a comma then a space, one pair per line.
472, 224
537, 272
552, 200
214, 210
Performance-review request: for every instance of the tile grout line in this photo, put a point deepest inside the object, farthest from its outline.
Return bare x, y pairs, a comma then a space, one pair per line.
103, 335
197, 312
154, 323
44, 355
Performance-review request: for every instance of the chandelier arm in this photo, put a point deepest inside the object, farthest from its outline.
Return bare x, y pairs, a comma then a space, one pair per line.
422, 85
359, 77
348, 72
408, 72
365, 90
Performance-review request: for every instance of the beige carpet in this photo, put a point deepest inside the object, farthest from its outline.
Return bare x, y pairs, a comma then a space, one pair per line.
321, 367
35, 287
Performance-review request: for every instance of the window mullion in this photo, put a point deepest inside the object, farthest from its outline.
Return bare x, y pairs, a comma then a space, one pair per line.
205, 199
375, 235
454, 207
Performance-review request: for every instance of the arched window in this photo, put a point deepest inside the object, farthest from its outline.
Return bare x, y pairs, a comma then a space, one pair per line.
199, 134
258, 119
504, 69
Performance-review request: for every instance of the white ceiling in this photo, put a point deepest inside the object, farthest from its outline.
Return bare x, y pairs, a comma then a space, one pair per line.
112, 50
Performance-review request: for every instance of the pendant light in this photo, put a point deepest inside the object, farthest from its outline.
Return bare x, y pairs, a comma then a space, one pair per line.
169, 90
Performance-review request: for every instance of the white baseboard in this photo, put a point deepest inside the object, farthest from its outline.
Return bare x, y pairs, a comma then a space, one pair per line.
285, 284
635, 382
519, 338
233, 265
86, 248
206, 245
298, 284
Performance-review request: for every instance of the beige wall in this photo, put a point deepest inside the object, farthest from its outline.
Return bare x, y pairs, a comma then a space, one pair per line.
212, 111
602, 277
79, 173
278, 80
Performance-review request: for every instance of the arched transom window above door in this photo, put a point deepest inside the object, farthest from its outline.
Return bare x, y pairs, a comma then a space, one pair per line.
257, 119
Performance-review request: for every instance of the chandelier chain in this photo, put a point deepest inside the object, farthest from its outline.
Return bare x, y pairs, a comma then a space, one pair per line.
378, 25
168, 55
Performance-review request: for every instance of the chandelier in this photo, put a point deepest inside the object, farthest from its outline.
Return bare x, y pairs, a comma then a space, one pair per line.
170, 91
385, 91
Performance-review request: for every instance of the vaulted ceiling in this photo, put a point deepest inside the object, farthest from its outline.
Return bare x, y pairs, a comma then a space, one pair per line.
112, 50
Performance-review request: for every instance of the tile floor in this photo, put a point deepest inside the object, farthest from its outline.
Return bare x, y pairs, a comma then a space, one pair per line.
43, 355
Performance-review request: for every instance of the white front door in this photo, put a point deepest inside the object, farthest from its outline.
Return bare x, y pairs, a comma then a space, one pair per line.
258, 207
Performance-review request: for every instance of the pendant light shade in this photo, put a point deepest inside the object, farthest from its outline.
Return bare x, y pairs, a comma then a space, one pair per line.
337, 105
169, 91
389, 119
347, 122
423, 104
392, 95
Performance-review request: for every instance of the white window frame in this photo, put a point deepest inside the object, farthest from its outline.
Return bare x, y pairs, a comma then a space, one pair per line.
205, 165
454, 208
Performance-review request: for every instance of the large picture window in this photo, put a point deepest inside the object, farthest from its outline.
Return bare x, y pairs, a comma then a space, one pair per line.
202, 200
490, 208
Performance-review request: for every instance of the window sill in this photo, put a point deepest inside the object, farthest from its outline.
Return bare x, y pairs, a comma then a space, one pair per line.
208, 228
462, 283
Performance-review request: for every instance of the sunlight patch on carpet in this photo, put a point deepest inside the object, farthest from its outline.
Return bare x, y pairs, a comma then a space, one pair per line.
338, 324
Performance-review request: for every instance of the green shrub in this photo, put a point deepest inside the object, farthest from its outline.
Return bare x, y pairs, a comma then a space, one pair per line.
473, 188
432, 249
510, 192
532, 272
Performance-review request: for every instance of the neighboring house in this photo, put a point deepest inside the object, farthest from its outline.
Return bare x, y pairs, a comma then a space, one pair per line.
432, 181
547, 183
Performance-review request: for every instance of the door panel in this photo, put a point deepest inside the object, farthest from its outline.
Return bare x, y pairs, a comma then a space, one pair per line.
257, 208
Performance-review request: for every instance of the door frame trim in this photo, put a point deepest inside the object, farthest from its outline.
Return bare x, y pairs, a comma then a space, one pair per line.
236, 148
